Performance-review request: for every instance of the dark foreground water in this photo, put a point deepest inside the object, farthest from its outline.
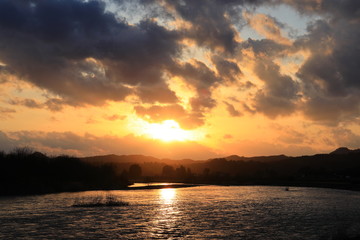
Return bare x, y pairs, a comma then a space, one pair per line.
206, 212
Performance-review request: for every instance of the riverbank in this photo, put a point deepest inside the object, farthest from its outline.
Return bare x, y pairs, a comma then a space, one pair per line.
150, 186
161, 186
129, 188
331, 185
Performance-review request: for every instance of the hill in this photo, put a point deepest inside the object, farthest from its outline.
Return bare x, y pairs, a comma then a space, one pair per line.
26, 172
340, 167
345, 150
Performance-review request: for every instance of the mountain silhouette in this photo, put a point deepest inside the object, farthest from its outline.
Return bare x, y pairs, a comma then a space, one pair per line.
344, 150
26, 172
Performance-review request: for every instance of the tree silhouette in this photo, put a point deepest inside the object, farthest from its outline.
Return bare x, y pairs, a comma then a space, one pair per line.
135, 171
168, 171
24, 171
181, 172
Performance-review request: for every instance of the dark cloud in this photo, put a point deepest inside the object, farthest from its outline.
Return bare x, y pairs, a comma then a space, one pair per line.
348, 9
80, 52
248, 109
204, 80
226, 69
52, 104
280, 94
331, 75
30, 103
55, 104
209, 25
4, 73
202, 103
276, 83
265, 46
213, 21
331, 111
83, 54
335, 52
197, 74
153, 94
231, 110
243, 86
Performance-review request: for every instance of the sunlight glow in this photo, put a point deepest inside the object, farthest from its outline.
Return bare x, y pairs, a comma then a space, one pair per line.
167, 195
167, 131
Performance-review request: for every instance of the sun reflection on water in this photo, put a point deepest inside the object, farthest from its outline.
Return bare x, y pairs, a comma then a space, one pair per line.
168, 195
166, 219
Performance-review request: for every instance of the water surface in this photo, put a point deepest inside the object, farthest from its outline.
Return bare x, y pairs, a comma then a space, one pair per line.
206, 212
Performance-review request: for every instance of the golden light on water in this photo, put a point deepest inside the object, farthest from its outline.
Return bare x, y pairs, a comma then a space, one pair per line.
167, 215
168, 195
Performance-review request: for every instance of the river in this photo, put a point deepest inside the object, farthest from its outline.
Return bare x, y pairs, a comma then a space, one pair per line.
203, 212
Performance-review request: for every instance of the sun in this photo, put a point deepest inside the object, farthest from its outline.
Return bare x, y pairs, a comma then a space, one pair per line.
167, 131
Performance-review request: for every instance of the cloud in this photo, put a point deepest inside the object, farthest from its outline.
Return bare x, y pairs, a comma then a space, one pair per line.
280, 94
156, 94
265, 148
330, 75
30, 103
248, 109
86, 53
231, 110
79, 51
6, 113
204, 80
226, 69
288, 135
344, 9
197, 74
327, 80
264, 47
89, 145
55, 104
187, 120
52, 104
267, 26
331, 111
114, 117
209, 25
345, 137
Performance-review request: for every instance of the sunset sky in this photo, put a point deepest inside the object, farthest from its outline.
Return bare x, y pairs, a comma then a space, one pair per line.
180, 79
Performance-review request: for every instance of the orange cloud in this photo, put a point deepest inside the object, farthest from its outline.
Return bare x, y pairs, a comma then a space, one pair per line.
267, 27
87, 145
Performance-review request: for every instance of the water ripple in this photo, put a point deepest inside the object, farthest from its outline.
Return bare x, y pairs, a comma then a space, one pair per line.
207, 212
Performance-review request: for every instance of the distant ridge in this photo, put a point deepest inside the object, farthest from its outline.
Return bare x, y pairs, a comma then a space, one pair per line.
258, 159
112, 158
121, 158
29, 172
344, 150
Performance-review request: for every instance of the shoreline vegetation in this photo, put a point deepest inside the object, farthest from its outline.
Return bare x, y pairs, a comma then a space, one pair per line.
26, 172
100, 201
